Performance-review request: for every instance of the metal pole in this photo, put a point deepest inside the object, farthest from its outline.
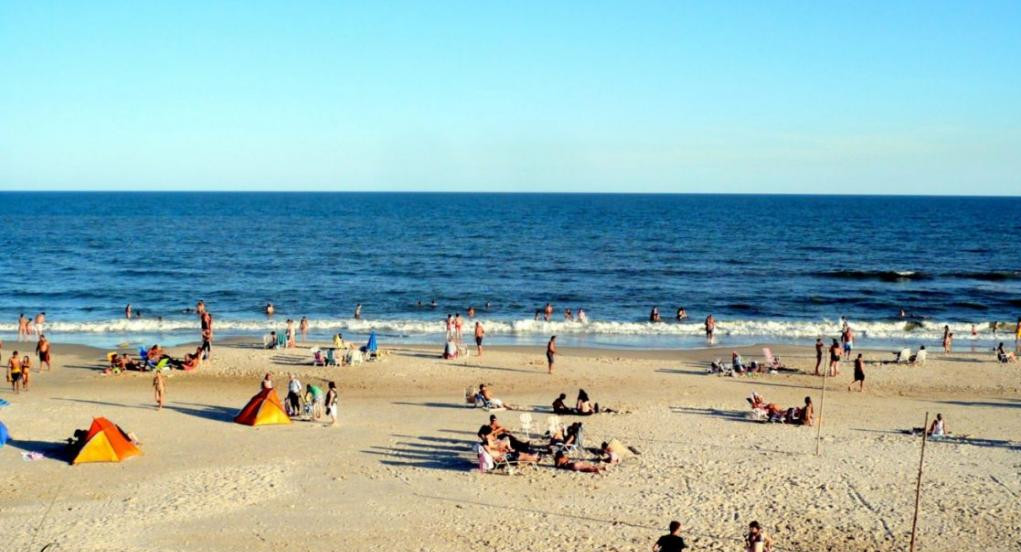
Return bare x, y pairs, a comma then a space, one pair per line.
818, 429
918, 484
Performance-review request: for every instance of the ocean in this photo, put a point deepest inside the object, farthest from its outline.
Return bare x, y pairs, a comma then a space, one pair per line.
769, 268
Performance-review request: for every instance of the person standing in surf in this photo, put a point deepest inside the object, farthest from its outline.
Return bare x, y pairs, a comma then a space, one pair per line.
710, 329
303, 328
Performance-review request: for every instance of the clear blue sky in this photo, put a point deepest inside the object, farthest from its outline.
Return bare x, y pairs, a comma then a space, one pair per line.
815, 97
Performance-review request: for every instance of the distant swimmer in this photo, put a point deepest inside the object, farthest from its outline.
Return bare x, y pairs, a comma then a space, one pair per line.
270, 309
488, 305
433, 304
548, 312
471, 311
127, 311
568, 315
710, 328
538, 314
582, 317
654, 315
681, 314
551, 352
358, 311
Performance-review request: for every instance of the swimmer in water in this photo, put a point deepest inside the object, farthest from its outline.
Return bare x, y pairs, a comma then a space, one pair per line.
270, 309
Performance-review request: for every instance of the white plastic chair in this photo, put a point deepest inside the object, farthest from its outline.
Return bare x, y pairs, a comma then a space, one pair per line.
527, 425
355, 357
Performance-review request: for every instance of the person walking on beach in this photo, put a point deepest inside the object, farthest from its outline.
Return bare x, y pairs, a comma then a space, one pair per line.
859, 374
331, 403
159, 388
819, 346
672, 542
358, 311
710, 328
551, 352
22, 327
480, 333
303, 328
42, 348
14, 372
835, 353
26, 371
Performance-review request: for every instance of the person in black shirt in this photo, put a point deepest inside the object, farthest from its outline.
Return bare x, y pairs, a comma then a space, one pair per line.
672, 542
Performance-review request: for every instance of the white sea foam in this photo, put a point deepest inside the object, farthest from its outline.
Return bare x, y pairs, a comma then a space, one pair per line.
779, 329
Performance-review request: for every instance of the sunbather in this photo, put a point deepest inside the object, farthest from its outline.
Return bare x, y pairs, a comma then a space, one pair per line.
560, 460
486, 397
501, 449
938, 427
1005, 356
807, 416
772, 411
501, 432
584, 406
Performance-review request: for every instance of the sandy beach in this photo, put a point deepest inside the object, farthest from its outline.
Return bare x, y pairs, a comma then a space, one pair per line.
398, 471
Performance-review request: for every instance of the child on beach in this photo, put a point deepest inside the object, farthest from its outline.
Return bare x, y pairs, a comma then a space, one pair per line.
159, 388
756, 540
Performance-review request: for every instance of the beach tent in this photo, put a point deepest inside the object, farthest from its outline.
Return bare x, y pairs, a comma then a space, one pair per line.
371, 346
105, 442
4, 435
263, 409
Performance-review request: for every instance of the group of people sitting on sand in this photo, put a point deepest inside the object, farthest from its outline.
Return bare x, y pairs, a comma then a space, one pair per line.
153, 356
771, 412
498, 446
583, 406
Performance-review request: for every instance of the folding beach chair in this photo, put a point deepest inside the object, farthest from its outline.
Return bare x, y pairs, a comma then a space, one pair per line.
527, 425
772, 362
331, 360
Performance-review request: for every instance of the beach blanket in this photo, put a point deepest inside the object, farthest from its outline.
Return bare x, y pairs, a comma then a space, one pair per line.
3, 403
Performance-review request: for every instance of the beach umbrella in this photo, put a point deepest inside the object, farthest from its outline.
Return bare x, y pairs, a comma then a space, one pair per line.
371, 346
4, 435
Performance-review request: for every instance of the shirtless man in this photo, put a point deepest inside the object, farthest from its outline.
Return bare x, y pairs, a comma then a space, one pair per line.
480, 333
551, 352
270, 309
40, 323
43, 349
14, 372
458, 326
710, 328
548, 312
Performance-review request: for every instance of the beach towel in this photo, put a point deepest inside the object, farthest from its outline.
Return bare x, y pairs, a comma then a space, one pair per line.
3, 403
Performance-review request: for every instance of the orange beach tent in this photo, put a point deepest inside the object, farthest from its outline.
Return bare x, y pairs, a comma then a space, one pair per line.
105, 442
263, 409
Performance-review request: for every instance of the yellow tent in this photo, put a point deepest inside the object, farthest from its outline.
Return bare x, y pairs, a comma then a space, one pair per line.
263, 409
105, 442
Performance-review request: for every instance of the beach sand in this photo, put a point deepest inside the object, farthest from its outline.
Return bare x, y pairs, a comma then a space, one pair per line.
397, 472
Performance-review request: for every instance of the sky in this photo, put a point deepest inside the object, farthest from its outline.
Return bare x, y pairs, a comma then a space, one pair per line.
731, 97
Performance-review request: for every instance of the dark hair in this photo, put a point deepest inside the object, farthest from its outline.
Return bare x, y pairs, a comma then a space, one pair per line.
582, 395
808, 400
492, 417
675, 526
605, 445
484, 431
333, 385
754, 525
562, 396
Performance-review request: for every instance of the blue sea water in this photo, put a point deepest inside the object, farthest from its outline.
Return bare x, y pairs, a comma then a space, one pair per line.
769, 268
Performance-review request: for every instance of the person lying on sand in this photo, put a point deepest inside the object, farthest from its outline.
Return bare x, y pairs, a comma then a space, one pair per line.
561, 461
614, 452
771, 411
